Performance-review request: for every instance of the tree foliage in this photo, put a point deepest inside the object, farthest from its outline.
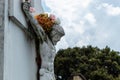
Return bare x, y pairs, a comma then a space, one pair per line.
92, 62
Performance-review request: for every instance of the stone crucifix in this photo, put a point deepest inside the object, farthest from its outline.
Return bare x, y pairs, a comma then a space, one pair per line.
45, 44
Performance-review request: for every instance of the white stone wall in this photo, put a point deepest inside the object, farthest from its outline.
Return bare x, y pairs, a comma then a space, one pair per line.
19, 50
19, 55
1, 38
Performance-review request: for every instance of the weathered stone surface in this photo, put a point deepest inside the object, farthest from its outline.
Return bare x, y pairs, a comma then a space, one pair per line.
1, 38
17, 53
77, 78
19, 49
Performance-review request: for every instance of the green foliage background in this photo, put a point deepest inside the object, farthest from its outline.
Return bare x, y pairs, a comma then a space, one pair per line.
92, 62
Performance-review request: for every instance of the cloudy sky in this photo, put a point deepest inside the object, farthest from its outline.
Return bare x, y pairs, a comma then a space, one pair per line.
87, 22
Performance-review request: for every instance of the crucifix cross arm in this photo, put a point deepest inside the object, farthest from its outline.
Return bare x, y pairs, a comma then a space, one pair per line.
32, 21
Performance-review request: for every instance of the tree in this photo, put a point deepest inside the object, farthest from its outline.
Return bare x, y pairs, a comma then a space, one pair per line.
92, 62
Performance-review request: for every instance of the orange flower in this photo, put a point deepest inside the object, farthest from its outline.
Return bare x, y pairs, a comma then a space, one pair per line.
45, 22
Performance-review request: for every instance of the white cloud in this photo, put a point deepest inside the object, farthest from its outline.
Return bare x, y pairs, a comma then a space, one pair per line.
111, 10
90, 18
75, 16
81, 43
68, 9
63, 45
79, 27
85, 3
70, 12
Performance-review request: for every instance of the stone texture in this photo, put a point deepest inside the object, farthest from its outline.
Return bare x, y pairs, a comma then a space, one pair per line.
77, 78
16, 63
1, 38
19, 52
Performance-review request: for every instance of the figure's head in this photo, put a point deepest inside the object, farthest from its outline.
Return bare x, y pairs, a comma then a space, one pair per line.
56, 33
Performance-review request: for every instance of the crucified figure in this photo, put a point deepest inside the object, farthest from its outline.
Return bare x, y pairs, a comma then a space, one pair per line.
45, 44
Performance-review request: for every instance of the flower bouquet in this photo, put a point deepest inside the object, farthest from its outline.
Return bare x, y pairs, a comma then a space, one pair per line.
47, 21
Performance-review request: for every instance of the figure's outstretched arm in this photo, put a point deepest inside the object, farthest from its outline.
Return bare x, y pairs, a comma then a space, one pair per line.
34, 24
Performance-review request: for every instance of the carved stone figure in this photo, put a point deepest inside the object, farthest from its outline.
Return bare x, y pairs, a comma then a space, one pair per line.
45, 43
